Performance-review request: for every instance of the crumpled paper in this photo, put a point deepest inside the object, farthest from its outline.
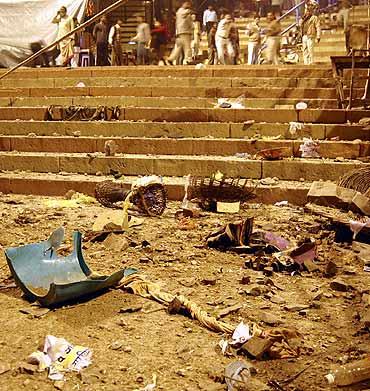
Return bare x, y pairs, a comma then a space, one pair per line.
241, 335
59, 356
356, 226
309, 148
295, 127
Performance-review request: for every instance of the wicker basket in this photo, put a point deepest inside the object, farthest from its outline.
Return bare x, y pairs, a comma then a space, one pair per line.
358, 180
150, 199
208, 191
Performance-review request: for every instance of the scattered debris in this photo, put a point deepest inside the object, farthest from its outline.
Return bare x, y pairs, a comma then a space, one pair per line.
272, 153
310, 148
83, 113
59, 356
150, 386
258, 343
110, 148
231, 103
76, 200
296, 128
237, 375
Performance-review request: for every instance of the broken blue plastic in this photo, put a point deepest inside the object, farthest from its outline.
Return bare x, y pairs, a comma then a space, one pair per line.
50, 279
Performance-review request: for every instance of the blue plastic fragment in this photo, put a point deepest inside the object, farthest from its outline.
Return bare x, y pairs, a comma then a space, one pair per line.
50, 279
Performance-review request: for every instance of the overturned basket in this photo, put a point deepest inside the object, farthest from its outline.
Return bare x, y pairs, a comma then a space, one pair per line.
358, 180
207, 191
150, 199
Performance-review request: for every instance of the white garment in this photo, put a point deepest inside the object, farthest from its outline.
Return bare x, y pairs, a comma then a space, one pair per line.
252, 52
112, 31
209, 16
223, 29
143, 33
308, 44
272, 49
221, 47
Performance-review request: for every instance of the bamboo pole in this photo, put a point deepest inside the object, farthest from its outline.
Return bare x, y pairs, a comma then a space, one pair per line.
82, 26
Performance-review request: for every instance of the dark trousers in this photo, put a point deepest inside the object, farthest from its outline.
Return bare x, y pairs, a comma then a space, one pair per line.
118, 55
102, 53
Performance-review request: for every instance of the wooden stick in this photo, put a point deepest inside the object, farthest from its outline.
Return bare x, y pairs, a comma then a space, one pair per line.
82, 26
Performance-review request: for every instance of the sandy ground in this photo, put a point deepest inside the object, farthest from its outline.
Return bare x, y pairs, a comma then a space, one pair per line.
182, 353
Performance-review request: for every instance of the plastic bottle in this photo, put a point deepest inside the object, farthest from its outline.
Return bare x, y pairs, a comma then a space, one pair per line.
354, 372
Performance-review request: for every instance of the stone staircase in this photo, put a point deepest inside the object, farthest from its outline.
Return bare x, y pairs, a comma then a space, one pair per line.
169, 126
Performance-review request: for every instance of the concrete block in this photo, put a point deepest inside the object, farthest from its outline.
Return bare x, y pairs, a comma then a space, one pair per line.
31, 162
266, 115
6, 102
5, 143
5, 185
168, 115
322, 116
120, 91
41, 101
91, 165
334, 149
347, 132
365, 149
311, 170
4, 92
53, 144
26, 83
354, 115
67, 91
246, 72
222, 115
179, 166
22, 113
304, 82
265, 82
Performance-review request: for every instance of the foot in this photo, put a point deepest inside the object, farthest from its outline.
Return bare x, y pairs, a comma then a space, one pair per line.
168, 62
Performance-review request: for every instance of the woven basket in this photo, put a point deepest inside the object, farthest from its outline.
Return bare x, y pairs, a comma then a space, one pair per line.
358, 180
208, 191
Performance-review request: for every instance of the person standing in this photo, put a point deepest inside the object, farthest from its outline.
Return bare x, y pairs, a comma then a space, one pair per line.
184, 33
222, 37
233, 45
209, 18
159, 40
114, 39
311, 32
100, 35
65, 25
273, 39
254, 39
212, 52
195, 43
343, 14
143, 39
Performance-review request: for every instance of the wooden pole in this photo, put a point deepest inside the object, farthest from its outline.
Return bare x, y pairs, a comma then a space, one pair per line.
82, 26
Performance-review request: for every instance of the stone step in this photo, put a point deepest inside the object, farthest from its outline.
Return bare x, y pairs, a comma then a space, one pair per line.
154, 114
178, 165
199, 92
170, 102
215, 82
58, 185
184, 146
315, 71
254, 130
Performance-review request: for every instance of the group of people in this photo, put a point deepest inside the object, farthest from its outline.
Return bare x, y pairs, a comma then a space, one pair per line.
220, 29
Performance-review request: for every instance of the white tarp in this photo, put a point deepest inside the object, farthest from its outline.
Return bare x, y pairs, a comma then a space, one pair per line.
25, 21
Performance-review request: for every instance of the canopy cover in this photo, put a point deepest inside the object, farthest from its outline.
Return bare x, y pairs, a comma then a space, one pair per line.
25, 21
